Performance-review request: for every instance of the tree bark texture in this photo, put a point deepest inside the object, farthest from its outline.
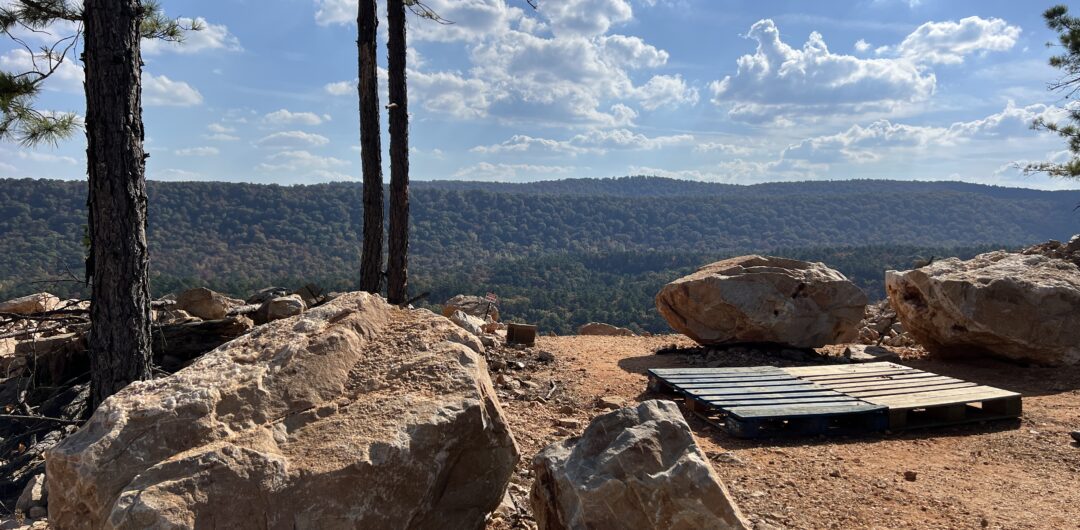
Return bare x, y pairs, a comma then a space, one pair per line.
371, 258
119, 341
398, 260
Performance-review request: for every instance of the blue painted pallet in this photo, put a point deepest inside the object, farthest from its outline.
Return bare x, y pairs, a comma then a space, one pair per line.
764, 401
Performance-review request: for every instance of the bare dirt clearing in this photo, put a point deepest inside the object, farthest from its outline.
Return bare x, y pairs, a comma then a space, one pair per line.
1016, 475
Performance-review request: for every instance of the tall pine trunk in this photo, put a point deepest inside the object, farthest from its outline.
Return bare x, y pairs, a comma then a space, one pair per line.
398, 260
119, 340
367, 23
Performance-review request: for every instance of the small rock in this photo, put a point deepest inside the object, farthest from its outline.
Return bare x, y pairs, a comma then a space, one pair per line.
568, 423
609, 403
835, 473
727, 457
1075, 436
545, 357
911, 476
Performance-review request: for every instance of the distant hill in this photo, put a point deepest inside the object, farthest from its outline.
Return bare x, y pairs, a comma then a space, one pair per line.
569, 251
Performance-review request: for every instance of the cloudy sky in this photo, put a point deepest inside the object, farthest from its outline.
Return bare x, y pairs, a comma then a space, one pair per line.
716, 90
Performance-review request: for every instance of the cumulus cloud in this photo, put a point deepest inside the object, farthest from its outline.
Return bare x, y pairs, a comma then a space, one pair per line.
300, 160
292, 138
585, 18
160, 91
287, 117
67, 78
341, 88
510, 172
779, 80
197, 151
211, 37
859, 144
950, 41
594, 141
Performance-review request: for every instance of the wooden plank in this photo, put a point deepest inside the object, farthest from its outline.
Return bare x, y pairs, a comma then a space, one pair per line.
941, 397
734, 370
794, 383
705, 379
840, 378
894, 383
790, 401
781, 411
741, 390
721, 393
831, 369
913, 392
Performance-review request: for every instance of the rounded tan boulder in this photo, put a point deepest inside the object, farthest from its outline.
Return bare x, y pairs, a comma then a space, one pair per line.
356, 414
764, 299
999, 304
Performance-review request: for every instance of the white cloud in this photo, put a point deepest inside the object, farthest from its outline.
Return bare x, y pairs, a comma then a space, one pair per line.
949, 42
884, 138
631, 52
197, 151
286, 117
35, 156
210, 37
160, 91
68, 77
509, 172
341, 88
292, 138
862, 46
330, 12
719, 147
300, 160
778, 80
220, 128
665, 91
741, 171
594, 141
585, 18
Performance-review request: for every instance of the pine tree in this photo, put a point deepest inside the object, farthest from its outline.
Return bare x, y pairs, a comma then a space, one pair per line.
367, 23
118, 264
1068, 29
398, 259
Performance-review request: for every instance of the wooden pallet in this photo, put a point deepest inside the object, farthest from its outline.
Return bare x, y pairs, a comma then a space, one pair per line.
754, 402
759, 401
915, 398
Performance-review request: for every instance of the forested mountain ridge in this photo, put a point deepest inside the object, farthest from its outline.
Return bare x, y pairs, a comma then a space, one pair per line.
555, 251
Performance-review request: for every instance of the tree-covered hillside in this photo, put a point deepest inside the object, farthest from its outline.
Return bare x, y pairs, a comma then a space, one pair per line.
559, 253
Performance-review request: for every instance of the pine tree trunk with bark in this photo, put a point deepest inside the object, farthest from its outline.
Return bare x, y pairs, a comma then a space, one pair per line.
367, 23
398, 259
119, 341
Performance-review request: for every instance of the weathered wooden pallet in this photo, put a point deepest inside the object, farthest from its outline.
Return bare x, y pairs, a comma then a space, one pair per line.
754, 402
915, 398
760, 401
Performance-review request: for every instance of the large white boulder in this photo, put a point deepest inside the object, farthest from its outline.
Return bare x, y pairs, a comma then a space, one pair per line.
637, 468
1001, 304
30, 304
206, 304
356, 414
764, 299
476, 306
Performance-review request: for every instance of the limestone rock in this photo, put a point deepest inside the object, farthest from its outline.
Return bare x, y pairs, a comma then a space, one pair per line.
468, 322
635, 468
279, 308
1012, 306
606, 330
30, 304
35, 494
356, 414
205, 304
764, 299
476, 306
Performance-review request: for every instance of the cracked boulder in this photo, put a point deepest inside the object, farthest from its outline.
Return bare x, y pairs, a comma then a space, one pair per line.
356, 414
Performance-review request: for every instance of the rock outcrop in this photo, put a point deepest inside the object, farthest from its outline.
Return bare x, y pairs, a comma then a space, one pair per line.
206, 304
635, 468
605, 330
753, 299
1014, 306
468, 322
279, 308
356, 414
30, 304
476, 306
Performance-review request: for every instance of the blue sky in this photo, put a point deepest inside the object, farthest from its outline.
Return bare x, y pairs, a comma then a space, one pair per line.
715, 90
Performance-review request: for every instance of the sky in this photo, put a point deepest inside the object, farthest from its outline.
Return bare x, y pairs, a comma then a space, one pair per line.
714, 90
